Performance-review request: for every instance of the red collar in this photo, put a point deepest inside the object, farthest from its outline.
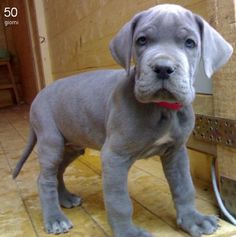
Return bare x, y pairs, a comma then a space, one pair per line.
173, 106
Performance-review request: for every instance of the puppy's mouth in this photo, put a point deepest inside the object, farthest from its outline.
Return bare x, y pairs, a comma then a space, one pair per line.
164, 95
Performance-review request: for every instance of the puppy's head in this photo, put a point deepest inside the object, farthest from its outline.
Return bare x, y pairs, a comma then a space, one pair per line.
167, 43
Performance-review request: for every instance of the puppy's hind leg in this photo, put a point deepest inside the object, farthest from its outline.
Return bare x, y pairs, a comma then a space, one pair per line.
51, 149
66, 198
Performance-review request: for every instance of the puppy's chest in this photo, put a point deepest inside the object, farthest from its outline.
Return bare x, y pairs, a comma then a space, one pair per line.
157, 146
162, 140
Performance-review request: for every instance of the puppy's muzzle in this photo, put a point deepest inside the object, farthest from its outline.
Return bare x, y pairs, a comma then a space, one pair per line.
164, 68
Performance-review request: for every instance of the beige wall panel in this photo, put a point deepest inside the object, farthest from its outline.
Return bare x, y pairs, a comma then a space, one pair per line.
80, 31
225, 85
203, 104
224, 82
200, 165
227, 162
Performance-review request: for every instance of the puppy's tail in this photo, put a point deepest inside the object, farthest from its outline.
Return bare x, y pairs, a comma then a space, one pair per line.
28, 149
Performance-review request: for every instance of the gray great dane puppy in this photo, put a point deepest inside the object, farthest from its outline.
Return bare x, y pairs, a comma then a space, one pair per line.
129, 114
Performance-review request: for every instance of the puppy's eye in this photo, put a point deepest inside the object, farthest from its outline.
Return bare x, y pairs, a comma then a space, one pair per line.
141, 41
189, 43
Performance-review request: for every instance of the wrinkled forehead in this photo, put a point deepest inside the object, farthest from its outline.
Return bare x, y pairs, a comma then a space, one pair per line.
168, 19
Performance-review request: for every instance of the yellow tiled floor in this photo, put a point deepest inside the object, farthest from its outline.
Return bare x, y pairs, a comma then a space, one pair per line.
20, 213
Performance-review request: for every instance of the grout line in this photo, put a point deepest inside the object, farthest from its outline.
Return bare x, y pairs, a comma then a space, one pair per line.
175, 228
85, 210
17, 131
94, 220
134, 200
27, 211
196, 181
16, 183
90, 167
149, 173
19, 192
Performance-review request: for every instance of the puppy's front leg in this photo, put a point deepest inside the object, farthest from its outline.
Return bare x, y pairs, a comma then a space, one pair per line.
117, 200
177, 171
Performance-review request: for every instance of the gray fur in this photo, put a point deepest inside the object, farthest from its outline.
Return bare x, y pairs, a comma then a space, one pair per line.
116, 111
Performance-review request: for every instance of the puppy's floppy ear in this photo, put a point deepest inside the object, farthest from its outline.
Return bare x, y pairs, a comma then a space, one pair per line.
122, 44
216, 51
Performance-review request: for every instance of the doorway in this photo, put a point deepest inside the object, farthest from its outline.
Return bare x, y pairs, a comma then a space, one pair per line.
16, 39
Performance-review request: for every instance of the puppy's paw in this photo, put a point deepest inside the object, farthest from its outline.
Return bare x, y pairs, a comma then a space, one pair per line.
57, 224
69, 200
197, 224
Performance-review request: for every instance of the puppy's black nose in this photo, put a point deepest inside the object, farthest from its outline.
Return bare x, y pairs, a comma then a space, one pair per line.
163, 71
